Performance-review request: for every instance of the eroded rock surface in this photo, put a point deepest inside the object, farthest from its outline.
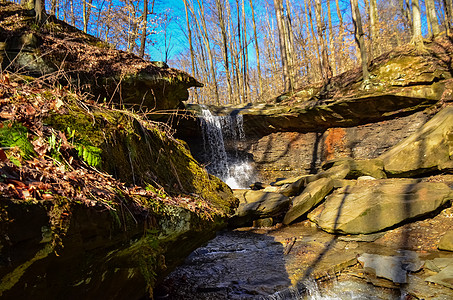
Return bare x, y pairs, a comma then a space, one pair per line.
376, 205
427, 150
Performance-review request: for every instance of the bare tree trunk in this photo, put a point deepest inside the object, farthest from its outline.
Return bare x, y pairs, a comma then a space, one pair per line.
433, 21
448, 6
340, 36
374, 45
86, 14
331, 44
417, 37
192, 56
245, 67
141, 51
315, 38
289, 41
407, 13
39, 6
359, 37
257, 49
327, 71
223, 32
283, 52
72, 13
208, 48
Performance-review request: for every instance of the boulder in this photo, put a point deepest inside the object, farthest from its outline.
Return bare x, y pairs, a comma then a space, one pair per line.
393, 268
255, 205
337, 172
358, 168
446, 242
311, 196
372, 206
428, 149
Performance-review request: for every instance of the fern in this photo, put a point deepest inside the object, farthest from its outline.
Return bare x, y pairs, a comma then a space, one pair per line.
16, 135
90, 154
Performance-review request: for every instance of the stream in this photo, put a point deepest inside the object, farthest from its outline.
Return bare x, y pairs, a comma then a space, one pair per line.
301, 261
251, 263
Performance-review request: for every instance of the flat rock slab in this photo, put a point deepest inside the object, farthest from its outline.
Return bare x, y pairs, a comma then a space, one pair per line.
357, 168
446, 242
373, 206
444, 277
393, 268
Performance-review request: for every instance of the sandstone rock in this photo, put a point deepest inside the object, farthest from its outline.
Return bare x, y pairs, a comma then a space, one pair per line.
358, 168
393, 268
446, 242
427, 150
266, 222
363, 178
311, 196
444, 277
294, 188
258, 205
336, 172
373, 206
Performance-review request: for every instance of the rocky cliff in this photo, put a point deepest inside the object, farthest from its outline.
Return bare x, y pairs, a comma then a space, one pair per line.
294, 133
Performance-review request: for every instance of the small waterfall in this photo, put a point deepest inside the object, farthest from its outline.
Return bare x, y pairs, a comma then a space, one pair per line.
221, 133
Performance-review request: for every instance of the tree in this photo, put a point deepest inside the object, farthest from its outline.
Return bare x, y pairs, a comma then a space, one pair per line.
448, 7
326, 69
417, 37
433, 21
278, 4
359, 37
38, 6
373, 26
257, 49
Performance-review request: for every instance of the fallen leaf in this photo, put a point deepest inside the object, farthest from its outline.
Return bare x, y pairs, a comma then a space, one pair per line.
3, 156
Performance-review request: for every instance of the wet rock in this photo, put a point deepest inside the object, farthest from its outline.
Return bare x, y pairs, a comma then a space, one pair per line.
366, 167
373, 206
446, 242
257, 205
257, 186
314, 193
394, 268
429, 149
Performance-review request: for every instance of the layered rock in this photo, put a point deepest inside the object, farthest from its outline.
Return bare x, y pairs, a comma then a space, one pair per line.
254, 205
89, 63
429, 149
373, 206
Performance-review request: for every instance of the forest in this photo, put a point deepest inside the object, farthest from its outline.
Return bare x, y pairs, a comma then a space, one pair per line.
253, 50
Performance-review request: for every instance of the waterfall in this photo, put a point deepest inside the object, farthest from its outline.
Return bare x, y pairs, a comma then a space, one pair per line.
221, 133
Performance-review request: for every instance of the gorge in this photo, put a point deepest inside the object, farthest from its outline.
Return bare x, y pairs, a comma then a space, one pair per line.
101, 197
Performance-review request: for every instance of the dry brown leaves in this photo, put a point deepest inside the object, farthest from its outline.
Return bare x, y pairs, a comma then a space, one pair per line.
43, 178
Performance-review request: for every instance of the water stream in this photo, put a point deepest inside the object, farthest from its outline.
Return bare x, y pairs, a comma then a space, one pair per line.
221, 135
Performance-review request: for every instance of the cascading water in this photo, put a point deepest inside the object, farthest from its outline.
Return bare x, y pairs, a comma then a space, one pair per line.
219, 131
